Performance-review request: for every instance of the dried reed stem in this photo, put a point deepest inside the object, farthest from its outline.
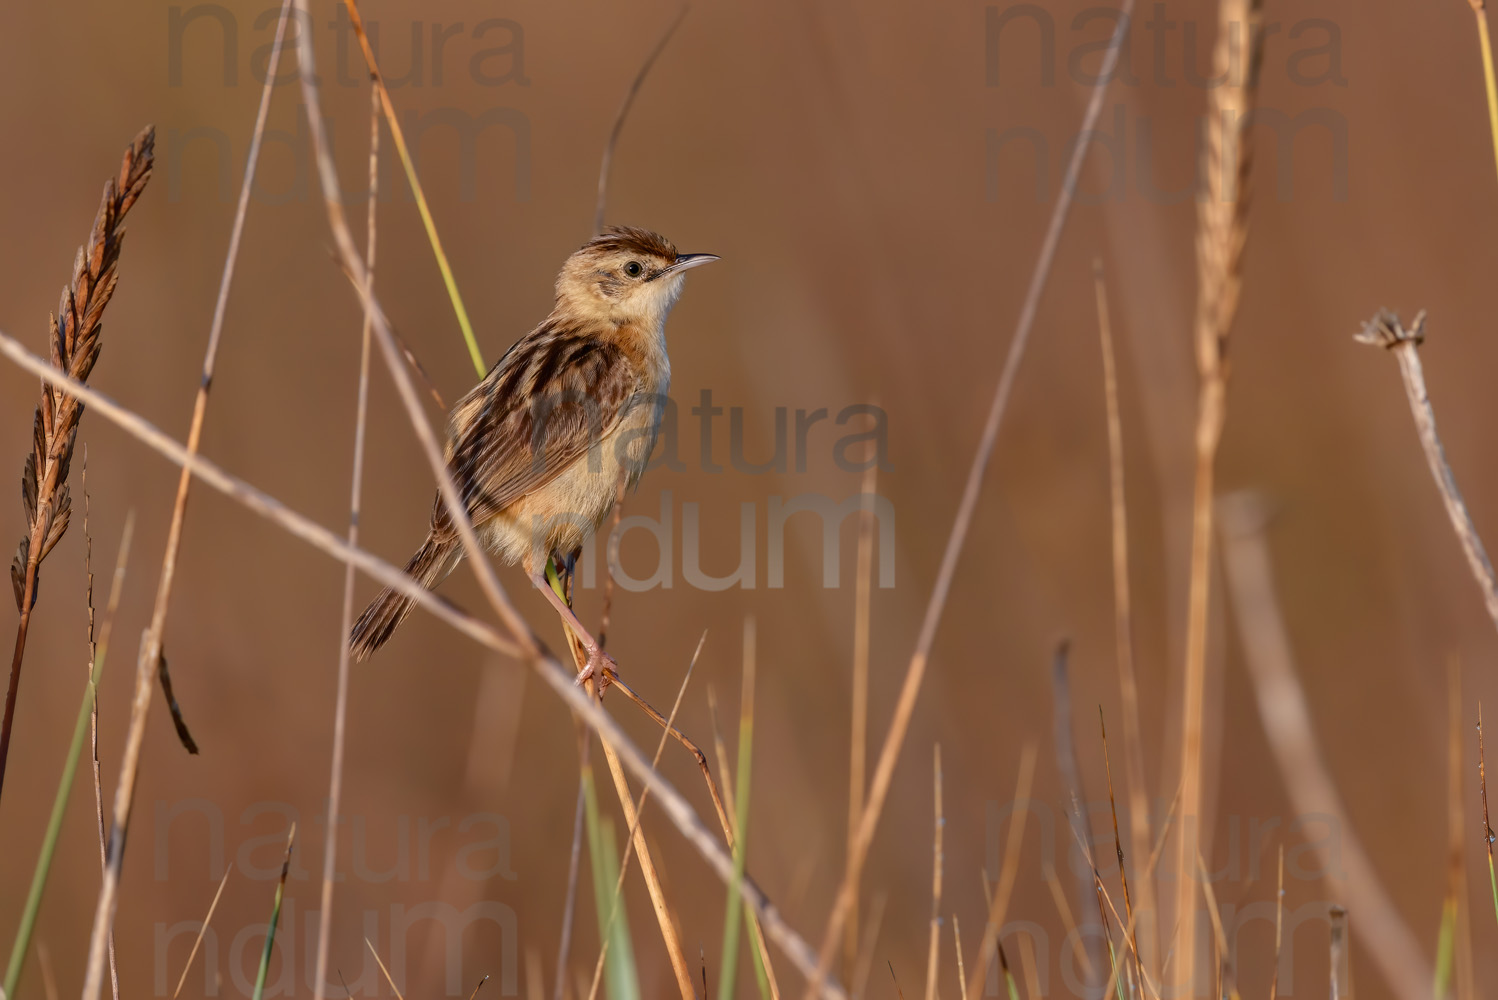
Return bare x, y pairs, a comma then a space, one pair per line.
197, 942
100, 646
934, 944
356, 489
1222, 230
1123, 627
74, 345
858, 738
1386, 331
915, 672
1286, 716
1064, 745
1457, 921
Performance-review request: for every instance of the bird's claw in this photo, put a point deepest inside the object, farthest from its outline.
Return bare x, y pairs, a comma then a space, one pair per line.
601, 666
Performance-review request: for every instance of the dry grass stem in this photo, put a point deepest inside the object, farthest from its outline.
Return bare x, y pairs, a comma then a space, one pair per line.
915, 672
1123, 874
74, 347
1386, 331
934, 945
858, 738
197, 942
386, 972
340, 701
1065, 747
1222, 231
634, 827
1456, 823
1000, 902
150, 658
1286, 716
1123, 625
867, 944
1341, 973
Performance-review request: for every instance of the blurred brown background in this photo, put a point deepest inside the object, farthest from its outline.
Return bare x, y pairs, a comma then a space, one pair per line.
849, 163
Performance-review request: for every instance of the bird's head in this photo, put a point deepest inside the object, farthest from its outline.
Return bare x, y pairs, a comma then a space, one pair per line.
625, 275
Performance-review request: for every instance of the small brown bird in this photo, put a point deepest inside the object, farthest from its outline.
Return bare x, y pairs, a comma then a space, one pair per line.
539, 447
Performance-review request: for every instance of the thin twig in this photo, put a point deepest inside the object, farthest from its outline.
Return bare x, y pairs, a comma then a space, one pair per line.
356, 489
1386, 331
1286, 716
916, 670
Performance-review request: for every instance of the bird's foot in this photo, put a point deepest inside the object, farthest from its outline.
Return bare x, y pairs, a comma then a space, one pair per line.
601, 668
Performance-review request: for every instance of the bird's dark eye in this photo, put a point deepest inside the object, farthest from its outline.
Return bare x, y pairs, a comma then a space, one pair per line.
634, 269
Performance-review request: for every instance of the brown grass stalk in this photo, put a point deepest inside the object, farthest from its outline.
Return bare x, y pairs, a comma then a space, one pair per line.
74, 346
934, 943
98, 647
1065, 748
999, 904
1222, 231
634, 825
1341, 971
150, 660
1456, 834
356, 489
858, 737
1389, 943
1123, 628
1386, 331
915, 672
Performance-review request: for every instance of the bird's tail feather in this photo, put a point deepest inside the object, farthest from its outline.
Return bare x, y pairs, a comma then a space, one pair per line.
430, 566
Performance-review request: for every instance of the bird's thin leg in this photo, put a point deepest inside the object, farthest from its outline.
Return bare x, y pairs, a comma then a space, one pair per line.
600, 664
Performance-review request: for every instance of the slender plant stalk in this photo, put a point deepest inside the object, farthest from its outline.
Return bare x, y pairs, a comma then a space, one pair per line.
624, 981
150, 661
340, 702
197, 942
629, 99
74, 347
275, 919
858, 736
98, 646
1341, 974
409, 166
1488, 836
1386, 331
86, 709
1222, 230
1285, 713
1490, 85
934, 940
574, 862
614, 910
999, 904
727, 978
915, 672
1123, 627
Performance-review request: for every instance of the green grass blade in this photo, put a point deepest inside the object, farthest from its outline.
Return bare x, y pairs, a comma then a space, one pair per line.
49, 841
275, 918
1445, 950
728, 975
1493, 881
603, 856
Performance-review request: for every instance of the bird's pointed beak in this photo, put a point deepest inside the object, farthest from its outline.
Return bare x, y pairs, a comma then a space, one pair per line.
689, 260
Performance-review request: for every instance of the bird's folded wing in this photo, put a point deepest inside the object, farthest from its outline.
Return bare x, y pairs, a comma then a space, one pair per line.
549, 400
